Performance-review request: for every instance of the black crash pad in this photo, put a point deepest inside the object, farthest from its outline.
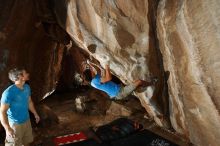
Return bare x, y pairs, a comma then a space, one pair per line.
124, 132
141, 138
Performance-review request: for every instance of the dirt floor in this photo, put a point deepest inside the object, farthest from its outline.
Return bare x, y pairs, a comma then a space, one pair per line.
59, 115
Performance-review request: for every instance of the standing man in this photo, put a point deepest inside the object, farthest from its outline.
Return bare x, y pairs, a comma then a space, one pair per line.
15, 103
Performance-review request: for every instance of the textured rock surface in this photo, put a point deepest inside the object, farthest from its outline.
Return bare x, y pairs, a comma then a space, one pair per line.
188, 33
116, 109
117, 31
123, 31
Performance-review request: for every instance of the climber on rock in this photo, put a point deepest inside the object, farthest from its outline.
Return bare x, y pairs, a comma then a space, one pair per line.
104, 82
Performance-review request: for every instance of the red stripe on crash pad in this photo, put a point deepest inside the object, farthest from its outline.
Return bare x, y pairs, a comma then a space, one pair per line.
71, 138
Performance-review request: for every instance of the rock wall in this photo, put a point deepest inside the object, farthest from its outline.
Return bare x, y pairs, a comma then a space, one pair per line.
188, 33
117, 31
34, 34
23, 42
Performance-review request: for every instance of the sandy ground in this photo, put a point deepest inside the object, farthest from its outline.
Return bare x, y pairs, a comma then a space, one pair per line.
59, 116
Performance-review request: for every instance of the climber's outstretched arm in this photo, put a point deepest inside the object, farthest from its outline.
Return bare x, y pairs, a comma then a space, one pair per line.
107, 76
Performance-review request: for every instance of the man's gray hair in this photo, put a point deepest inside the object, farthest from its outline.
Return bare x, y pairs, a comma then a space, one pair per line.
13, 74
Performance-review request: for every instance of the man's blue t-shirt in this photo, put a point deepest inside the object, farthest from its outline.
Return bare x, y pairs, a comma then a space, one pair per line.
111, 88
18, 101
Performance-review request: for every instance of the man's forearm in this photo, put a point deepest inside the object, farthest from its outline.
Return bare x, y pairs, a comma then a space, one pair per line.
32, 108
4, 120
95, 67
108, 72
107, 76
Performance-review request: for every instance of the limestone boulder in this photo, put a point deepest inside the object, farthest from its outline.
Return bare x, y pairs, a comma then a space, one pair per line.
188, 33
117, 31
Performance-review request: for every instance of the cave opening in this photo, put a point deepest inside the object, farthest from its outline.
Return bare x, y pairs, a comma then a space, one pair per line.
74, 107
